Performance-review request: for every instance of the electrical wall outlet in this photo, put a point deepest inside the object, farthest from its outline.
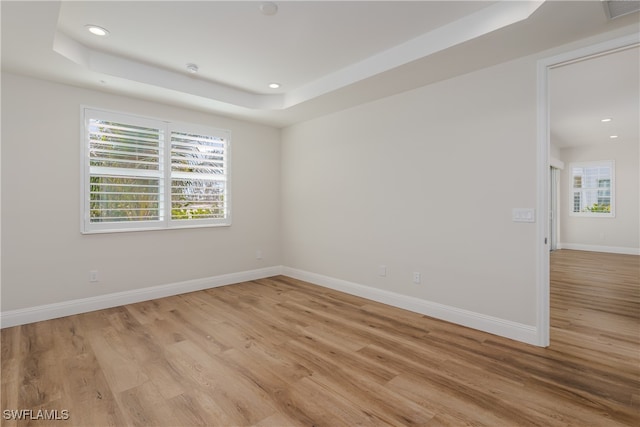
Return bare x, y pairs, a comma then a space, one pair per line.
416, 277
93, 276
258, 254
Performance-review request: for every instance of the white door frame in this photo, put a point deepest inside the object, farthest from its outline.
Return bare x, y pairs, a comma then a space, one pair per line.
543, 143
554, 177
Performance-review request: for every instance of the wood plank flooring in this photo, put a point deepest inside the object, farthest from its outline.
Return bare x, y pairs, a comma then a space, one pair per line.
280, 352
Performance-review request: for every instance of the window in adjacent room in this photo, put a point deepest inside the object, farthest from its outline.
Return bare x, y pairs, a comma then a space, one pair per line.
592, 189
141, 174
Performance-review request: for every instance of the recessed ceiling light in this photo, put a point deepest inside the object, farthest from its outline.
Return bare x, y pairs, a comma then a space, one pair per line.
606, 120
268, 8
96, 30
192, 68
613, 136
274, 85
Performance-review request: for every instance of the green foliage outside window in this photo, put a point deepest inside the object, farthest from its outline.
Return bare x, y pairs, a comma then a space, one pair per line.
596, 208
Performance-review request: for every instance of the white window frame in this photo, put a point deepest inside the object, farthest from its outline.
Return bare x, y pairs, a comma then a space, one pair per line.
604, 163
164, 174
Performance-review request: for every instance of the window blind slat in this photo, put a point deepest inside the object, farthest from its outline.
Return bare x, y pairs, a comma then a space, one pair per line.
110, 138
120, 172
124, 150
203, 176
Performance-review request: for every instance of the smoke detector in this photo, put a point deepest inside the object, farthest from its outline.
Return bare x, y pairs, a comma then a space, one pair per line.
192, 68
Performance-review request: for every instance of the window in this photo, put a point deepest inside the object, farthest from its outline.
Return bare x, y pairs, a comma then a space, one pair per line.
141, 174
592, 189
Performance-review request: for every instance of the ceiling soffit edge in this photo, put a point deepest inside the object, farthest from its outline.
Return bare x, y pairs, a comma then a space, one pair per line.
475, 25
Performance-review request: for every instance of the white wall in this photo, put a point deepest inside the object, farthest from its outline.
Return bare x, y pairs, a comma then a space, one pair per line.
619, 234
46, 260
422, 181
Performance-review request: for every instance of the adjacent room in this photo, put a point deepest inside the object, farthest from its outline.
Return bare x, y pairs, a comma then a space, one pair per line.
300, 213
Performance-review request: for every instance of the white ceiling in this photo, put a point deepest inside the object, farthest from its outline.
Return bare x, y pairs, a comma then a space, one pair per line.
234, 44
585, 92
327, 55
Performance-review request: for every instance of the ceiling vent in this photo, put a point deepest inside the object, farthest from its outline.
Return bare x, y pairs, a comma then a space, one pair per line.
618, 8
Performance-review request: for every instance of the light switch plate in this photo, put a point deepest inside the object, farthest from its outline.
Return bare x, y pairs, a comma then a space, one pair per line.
523, 215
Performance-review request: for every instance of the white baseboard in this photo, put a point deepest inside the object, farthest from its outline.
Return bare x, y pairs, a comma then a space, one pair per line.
505, 328
67, 308
493, 325
597, 248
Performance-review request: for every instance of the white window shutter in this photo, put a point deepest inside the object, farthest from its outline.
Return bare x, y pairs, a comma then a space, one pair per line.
135, 180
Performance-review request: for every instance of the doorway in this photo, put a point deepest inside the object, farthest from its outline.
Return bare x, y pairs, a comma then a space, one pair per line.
545, 228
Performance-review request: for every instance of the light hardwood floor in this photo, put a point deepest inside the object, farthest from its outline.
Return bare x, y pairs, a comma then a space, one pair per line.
280, 352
